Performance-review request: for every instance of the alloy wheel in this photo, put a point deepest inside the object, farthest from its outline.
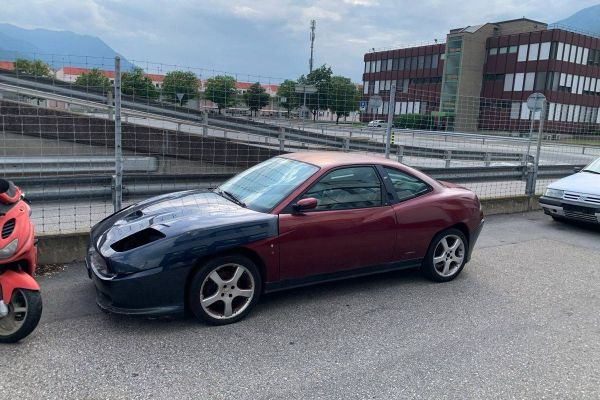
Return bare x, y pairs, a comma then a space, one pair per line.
449, 255
227, 291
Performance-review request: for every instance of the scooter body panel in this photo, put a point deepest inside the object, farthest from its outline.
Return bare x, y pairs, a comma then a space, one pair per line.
11, 280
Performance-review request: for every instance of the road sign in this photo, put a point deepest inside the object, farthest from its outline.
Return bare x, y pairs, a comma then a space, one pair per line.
301, 88
535, 102
375, 101
179, 96
362, 105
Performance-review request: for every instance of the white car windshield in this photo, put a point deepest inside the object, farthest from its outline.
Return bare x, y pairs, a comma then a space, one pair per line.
594, 167
265, 185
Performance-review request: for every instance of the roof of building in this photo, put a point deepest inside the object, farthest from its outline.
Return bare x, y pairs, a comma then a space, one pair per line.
9, 65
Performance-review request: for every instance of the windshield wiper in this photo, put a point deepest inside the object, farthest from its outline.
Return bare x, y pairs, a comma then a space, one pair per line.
231, 197
590, 170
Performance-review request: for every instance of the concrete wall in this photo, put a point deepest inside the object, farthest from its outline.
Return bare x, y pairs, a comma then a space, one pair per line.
44, 123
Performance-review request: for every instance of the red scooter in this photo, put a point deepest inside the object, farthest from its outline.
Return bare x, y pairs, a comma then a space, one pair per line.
20, 299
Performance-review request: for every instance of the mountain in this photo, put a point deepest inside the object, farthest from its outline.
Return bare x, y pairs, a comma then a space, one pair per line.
586, 20
57, 48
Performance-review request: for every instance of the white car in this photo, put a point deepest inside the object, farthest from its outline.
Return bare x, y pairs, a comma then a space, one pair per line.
376, 123
576, 197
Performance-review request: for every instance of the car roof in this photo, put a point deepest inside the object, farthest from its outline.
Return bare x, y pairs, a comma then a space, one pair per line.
327, 159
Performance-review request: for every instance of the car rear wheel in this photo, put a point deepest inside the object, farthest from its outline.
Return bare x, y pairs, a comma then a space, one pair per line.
224, 290
446, 256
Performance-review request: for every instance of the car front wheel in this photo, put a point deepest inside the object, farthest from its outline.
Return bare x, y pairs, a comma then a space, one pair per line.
446, 256
224, 290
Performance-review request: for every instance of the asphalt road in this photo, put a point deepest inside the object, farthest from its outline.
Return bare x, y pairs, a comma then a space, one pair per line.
521, 322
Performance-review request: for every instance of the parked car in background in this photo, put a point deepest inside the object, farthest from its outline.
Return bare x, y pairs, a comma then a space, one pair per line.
376, 123
293, 220
576, 197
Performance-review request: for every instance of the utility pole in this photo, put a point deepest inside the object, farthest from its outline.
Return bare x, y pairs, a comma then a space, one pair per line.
313, 24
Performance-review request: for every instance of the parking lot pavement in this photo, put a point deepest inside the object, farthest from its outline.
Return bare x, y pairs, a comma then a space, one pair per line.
521, 321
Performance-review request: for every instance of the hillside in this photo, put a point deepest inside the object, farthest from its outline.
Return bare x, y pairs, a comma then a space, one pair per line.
586, 20
53, 46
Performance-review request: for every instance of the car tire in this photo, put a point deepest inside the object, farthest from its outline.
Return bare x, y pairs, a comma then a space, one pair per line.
22, 325
446, 256
224, 290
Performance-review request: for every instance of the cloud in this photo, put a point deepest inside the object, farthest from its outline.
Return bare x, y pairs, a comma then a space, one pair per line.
269, 37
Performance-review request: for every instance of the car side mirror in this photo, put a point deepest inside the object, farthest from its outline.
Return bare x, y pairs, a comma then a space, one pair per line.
309, 203
577, 169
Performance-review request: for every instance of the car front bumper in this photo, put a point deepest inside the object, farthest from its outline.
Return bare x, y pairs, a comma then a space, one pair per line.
151, 292
577, 211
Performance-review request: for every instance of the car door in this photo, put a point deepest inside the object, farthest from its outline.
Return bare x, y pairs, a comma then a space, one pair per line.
418, 216
351, 227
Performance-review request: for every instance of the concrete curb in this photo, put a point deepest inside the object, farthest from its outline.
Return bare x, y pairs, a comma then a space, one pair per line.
70, 247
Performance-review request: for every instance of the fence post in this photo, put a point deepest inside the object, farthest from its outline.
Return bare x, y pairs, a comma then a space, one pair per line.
400, 153
529, 180
281, 139
488, 159
448, 157
390, 121
205, 123
536, 164
118, 178
346, 144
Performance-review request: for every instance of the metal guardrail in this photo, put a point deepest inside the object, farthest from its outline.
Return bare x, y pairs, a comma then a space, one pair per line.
161, 111
19, 166
100, 187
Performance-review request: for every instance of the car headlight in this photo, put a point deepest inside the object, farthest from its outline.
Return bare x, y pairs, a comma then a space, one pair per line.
555, 193
9, 250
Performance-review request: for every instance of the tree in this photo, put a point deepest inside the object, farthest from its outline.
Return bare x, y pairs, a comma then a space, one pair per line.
256, 97
321, 78
35, 67
182, 82
344, 97
287, 90
94, 79
221, 91
135, 83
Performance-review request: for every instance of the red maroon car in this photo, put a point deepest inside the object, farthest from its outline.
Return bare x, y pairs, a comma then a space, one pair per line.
293, 220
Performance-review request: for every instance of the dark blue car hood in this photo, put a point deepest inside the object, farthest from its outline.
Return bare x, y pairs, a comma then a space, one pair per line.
194, 223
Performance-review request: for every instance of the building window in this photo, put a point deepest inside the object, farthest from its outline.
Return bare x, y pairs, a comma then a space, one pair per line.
493, 51
503, 50
366, 87
515, 110
420, 62
540, 81
534, 48
559, 51
376, 87
513, 49
519, 79
428, 61
586, 53
384, 65
377, 65
573, 54
434, 60
367, 64
508, 82
529, 80
522, 52
545, 51
524, 111
579, 55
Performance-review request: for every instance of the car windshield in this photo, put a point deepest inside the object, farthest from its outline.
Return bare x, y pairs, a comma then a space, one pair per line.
265, 185
594, 167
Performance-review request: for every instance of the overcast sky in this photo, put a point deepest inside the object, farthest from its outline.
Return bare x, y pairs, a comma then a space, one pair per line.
269, 38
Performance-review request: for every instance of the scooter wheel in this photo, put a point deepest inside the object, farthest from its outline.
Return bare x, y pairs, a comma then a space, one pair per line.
24, 313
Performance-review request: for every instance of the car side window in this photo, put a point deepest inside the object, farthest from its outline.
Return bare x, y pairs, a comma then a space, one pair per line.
406, 186
347, 188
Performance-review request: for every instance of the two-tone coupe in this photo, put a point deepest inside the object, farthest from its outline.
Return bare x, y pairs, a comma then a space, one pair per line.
293, 220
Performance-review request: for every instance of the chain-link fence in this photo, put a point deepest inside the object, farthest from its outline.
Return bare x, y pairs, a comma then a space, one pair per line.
187, 128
